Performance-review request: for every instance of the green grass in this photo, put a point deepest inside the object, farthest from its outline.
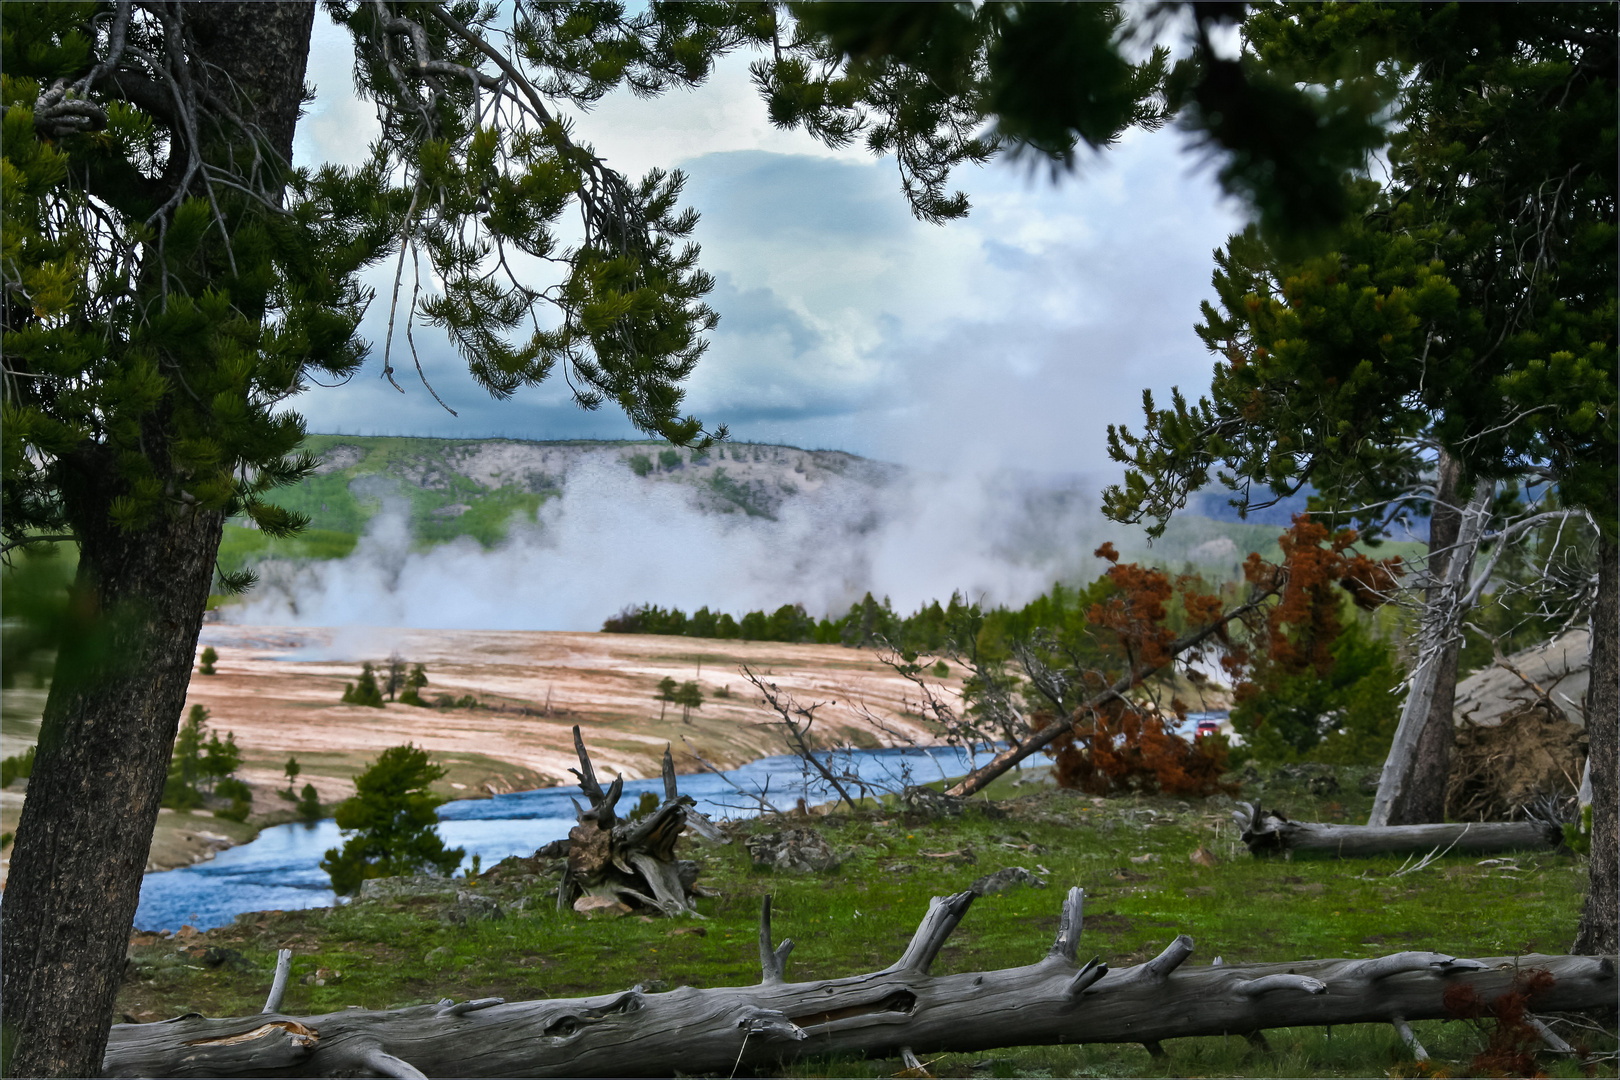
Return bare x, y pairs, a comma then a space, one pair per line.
382, 954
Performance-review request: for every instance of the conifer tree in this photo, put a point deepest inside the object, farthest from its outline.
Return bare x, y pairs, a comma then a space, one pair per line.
668, 692
389, 823
364, 691
205, 665
689, 697
309, 803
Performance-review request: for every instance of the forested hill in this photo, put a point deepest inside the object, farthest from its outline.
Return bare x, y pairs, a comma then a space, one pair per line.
480, 487
448, 489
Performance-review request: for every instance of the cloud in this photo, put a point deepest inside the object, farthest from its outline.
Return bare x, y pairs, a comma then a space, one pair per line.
1009, 339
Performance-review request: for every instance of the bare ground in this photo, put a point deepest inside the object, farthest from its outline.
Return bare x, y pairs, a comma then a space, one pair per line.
279, 689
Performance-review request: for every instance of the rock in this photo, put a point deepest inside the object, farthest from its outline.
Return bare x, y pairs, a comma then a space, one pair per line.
928, 801
1002, 880
791, 851
1560, 667
471, 907
600, 905
390, 888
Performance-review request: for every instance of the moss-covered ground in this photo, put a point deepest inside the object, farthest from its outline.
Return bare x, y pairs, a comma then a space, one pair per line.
1132, 856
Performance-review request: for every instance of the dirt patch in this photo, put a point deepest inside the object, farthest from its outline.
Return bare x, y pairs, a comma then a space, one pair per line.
1497, 770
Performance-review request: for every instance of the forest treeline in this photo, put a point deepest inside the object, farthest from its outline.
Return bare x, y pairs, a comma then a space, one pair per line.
1342, 706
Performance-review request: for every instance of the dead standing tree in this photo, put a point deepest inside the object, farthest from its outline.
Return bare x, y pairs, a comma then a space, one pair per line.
901, 1008
612, 861
796, 721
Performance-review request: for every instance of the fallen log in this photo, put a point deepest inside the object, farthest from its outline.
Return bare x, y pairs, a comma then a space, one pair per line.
1266, 832
719, 1030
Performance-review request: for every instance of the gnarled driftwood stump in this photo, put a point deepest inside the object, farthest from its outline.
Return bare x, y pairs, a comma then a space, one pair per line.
616, 864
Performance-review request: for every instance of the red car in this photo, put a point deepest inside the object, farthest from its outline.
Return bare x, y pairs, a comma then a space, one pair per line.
1208, 727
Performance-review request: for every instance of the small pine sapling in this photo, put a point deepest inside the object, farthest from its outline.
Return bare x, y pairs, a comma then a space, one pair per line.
309, 803
291, 769
688, 697
412, 694
206, 665
390, 823
394, 680
668, 692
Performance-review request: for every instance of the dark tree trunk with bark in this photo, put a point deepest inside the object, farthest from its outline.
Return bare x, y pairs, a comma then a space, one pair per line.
1423, 799
1599, 928
118, 689
104, 747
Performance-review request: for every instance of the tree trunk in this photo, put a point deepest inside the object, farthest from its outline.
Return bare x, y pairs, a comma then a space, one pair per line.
721, 1030
1409, 785
1599, 929
117, 691
104, 745
1425, 795
1266, 832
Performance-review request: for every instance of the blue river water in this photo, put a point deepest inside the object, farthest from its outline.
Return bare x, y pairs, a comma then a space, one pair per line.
281, 869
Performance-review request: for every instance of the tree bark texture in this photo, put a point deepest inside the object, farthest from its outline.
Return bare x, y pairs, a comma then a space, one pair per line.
1407, 780
114, 706
1599, 928
690, 1030
1266, 832
1424, 798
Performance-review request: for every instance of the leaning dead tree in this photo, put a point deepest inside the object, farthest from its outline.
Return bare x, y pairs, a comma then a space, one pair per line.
901, 1008
1268, 832
630, 863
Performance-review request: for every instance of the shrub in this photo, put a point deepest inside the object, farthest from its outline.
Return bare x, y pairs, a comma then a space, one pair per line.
640, 464
669, 459
241, 797
209, 656
1122, 750
365, 691
390, 823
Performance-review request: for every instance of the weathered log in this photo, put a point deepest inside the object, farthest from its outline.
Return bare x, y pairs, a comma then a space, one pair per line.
1268, 831
1055, 1000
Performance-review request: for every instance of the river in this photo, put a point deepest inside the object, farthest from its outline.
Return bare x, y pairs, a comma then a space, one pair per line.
281, 869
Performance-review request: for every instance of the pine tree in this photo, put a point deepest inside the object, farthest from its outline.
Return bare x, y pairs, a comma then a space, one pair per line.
291, 769
688, 697
206, 661
668, 693
414, 682
365, 691
389, 823
309, 803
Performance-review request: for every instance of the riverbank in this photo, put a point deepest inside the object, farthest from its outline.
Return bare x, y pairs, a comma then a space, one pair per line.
519, 695
502, 935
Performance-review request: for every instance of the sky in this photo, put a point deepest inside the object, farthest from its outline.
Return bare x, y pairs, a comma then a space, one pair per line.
1009, 340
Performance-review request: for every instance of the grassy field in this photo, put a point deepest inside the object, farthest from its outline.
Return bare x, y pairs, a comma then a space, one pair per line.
1130, 854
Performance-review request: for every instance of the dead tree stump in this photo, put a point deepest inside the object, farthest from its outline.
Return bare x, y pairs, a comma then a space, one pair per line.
621, 865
